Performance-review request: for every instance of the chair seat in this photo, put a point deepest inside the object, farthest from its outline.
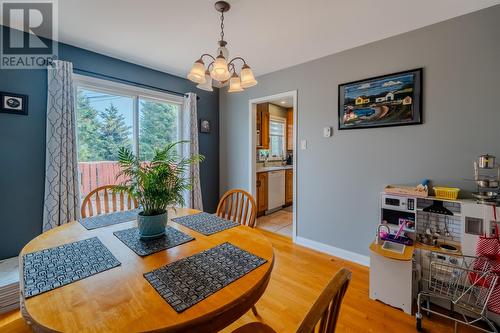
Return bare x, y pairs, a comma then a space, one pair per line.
254, 328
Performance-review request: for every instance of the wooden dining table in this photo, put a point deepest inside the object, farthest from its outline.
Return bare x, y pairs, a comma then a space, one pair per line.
122, 300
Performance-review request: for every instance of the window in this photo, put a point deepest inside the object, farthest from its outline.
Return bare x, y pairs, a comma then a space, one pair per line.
277, 138
111, 115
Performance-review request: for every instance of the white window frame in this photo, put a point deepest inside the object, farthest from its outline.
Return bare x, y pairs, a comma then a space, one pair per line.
283, 121
136, 93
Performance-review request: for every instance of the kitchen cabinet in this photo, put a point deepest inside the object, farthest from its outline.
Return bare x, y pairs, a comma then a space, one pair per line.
288, 187
263, 125
262, 188
390, 278
289, 129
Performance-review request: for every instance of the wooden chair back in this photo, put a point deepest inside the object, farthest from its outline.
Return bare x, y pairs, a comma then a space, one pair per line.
323, 315
238, 206
104, 200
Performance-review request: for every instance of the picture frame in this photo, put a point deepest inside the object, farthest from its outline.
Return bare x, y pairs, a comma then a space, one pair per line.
204, 126
382, 101
13, 103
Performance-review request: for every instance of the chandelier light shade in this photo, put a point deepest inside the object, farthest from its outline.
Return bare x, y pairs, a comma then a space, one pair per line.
220, 71
235, 84
197, 73
247, 78
207, 85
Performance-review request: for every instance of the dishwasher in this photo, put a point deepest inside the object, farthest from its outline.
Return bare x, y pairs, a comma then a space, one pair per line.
276, 190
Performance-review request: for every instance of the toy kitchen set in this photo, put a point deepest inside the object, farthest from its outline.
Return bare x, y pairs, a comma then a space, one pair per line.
419, 233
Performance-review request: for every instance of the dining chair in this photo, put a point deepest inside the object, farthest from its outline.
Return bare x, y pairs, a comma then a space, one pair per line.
238, 206
323, 315
106, 201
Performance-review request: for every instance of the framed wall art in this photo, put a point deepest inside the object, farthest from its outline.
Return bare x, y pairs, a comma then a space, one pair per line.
13, 103
204, 126
388, 100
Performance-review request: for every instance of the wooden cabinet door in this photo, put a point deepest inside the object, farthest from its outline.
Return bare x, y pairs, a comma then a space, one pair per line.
263, 125
289, 187
264, 128
289, 129
262, 192
258, 127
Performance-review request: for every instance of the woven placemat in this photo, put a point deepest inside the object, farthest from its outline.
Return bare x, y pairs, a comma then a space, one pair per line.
58, 266
204, 223
172, 238
188, 281
105, 220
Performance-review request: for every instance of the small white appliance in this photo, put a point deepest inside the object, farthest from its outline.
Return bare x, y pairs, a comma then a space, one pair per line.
394, 208
276, 190
478, 220
400, 203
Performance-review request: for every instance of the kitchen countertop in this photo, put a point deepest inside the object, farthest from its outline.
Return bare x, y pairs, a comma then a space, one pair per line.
432, 248
274, 168
408, 253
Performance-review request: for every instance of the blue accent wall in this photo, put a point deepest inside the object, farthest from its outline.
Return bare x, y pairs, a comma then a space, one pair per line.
22, 140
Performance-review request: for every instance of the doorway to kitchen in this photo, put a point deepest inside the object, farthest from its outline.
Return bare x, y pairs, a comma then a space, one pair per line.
273, 162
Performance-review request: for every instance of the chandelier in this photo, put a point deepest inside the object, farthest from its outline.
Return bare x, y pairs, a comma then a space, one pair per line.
219, 71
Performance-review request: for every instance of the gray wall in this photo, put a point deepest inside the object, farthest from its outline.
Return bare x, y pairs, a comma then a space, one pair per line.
340, 177
22, 140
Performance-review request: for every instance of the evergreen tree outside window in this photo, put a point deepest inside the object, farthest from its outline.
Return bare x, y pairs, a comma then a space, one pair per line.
158, 126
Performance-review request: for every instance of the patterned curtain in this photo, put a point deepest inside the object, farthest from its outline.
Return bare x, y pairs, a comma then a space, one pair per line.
190, 116
61, 203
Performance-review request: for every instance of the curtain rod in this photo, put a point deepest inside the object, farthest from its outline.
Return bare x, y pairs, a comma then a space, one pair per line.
137, 84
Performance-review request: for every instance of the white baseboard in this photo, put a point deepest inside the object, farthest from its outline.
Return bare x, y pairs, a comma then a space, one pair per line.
334, 251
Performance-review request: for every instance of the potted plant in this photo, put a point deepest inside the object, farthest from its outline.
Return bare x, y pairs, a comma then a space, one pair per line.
155, 184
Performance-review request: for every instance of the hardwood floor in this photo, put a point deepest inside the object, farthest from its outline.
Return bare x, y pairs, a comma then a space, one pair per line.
298, 277
279, 222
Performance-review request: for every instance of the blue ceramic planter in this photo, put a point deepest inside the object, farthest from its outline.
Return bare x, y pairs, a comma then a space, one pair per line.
151, 226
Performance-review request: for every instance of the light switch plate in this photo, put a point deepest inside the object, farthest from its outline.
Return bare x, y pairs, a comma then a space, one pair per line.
327, 132
303, 144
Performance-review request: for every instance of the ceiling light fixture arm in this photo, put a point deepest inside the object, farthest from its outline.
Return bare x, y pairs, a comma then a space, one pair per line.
207, 55
231, 67
231, 63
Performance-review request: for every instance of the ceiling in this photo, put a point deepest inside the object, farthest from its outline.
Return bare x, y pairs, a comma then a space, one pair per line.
286, 102
271, 35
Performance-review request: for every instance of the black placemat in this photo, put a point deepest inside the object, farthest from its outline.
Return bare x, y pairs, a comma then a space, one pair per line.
188, 281
204, 223
58, 266
172, 238
105, 220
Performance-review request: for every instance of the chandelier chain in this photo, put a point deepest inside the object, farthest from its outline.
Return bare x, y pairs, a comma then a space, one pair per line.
222, 26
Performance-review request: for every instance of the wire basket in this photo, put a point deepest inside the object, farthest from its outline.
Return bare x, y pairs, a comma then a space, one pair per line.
466, 282
467, 287
450, 193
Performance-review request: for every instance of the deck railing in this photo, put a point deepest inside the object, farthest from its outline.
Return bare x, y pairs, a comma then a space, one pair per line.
95, 174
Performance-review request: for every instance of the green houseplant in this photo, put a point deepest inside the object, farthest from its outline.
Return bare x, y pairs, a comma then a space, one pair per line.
156, 184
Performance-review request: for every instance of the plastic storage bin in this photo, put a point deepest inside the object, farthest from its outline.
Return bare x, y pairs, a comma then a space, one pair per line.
450, 193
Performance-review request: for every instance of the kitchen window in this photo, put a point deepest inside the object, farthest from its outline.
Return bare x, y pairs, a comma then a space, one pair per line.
277, 142
111, 115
